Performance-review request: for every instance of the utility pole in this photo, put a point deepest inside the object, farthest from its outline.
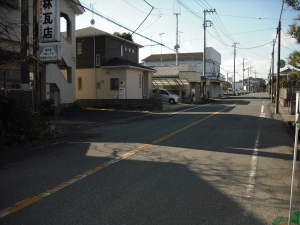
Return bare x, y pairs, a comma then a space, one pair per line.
278, 70
25, 84
161, 48
234, 52
248, 86
272, 74
204, 49
36, 86
176, 13
255, 81
243, 72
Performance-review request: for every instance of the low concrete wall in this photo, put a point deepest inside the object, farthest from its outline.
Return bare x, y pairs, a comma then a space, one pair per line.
128, 104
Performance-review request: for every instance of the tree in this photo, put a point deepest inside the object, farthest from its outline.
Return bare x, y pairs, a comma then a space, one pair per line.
294, 59
294, 31
293, 3
124, 35
9, 34
289, 83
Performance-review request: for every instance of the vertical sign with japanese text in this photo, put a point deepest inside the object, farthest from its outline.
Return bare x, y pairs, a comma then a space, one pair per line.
49, 20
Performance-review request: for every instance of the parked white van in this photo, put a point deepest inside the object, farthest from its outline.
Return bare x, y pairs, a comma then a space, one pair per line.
167, 96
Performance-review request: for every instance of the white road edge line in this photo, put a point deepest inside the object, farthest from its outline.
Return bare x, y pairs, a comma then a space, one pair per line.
252, 174
253, 169
186, 110
262, 114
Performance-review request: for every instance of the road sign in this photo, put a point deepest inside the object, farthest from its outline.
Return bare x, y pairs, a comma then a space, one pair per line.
282, 63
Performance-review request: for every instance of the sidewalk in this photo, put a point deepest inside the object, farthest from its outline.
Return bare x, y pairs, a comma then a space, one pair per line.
286, 116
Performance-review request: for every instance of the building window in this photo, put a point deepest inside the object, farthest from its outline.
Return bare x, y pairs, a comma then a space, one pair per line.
11, 3
129, 49
79, 48
114, 83
79, 83
121, 50
125, 48
133, 50
98, 60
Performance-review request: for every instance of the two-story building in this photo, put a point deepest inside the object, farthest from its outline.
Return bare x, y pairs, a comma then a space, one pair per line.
108, 68
23, 64
186, 78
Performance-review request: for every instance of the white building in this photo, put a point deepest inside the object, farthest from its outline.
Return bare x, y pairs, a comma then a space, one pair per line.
58, 79
190, 73
43, 79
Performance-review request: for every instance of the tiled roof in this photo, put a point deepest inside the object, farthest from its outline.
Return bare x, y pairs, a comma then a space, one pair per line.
172, 57
166, 72
92, 31
88, 31
288, 71
118, 62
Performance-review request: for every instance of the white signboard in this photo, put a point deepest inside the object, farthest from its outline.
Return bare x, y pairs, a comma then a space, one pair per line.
50, 53
49, 20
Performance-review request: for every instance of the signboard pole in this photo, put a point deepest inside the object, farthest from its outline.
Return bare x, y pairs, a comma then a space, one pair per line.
293, 172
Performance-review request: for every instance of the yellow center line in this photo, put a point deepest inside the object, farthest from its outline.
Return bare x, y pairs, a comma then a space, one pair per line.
28, 201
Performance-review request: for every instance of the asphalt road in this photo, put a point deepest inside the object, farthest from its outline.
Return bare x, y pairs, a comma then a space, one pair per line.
228, 162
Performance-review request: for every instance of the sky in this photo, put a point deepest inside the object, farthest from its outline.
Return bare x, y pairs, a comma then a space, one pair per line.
252, 25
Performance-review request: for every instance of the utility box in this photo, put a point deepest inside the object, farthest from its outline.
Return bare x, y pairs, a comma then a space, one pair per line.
293, 104
121, 93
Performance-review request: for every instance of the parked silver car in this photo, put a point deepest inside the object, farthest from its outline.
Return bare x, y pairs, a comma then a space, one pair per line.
229, 91
167, 96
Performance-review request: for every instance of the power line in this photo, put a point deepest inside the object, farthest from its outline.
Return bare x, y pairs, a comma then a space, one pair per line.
118, 24
288, 40
190, 10
247, 17
257, 46
219, 40
159, 15
222, 27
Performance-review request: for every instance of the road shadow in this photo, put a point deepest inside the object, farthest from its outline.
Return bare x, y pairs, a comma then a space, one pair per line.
134, 192
154, 186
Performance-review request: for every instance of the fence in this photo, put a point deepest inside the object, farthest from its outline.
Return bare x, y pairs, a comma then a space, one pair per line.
28, 98
287, 98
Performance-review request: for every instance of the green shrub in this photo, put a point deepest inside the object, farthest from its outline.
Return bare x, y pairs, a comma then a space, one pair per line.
18, 124
46, 111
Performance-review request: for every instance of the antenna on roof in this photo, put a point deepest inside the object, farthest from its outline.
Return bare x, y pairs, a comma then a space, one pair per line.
176, 12
92, 20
